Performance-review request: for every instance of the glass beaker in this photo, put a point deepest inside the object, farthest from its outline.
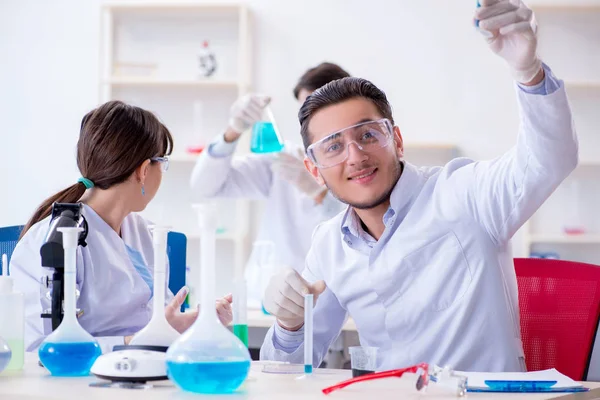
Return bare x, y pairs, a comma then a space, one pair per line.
363, 360
265, 135
5, 354
69, 350
263, 254
208, 358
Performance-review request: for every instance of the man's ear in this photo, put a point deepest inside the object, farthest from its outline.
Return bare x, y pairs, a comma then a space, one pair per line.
398, 142
314, 171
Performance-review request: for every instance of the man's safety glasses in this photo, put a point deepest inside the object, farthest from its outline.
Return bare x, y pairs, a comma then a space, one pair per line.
369, 137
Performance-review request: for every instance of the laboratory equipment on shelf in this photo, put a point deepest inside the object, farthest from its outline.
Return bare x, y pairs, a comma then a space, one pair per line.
144, 359
52, 254
265, 135
208, 358
69, 350
12, 321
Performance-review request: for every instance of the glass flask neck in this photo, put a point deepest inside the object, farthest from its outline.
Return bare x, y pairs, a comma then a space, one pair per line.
207, 220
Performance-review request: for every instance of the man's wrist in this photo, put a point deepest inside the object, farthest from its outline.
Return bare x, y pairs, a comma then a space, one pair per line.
293, 328
231, 135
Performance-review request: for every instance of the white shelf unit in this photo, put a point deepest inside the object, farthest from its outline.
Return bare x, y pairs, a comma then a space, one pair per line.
149, 57
572, 29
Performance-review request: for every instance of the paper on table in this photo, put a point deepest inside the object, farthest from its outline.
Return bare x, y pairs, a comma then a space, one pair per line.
477, 379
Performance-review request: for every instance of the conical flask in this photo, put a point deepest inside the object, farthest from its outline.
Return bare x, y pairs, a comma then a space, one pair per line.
265, 135
208, 358
158, 332
69, 350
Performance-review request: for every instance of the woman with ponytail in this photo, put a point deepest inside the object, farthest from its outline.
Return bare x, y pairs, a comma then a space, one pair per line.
122, 153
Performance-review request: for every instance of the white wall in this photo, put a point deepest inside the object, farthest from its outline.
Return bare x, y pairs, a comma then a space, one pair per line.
442, 81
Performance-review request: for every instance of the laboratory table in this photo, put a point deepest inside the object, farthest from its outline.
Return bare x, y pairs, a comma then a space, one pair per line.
34, 383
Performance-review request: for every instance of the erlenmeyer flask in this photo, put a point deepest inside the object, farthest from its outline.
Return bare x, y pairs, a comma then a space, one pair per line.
265, 135
69, 350
263, 252
158, 332
208, 358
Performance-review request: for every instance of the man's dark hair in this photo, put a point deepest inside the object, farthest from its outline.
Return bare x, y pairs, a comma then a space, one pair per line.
339, 91
318, 76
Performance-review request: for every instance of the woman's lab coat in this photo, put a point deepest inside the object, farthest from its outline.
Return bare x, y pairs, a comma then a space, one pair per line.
289, 215
114, 277
439, 285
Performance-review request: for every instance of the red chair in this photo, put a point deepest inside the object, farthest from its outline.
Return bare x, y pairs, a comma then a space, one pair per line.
560, 309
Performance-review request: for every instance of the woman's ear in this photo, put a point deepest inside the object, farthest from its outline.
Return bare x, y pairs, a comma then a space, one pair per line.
141, 172
399, 142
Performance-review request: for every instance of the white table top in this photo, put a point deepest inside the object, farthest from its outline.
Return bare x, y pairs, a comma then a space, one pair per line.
258, 319
34, 383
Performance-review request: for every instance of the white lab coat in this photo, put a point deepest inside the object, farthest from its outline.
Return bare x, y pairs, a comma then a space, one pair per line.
439, 286
289, 217
114, 296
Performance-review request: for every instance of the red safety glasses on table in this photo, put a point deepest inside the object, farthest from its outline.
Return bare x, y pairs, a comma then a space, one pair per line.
421, 369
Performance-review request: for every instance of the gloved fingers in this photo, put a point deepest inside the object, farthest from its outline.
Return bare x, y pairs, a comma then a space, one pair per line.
298, 284
522, 27
289, 305
260, 101
250, 116
492, 10
488, 3
499, 21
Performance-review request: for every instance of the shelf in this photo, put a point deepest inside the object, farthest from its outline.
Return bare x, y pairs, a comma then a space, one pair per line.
187, 158
232, 236
567, 239
169, 6
149, 81
582, 85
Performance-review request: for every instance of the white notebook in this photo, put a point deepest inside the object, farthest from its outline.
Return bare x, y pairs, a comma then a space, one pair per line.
476, 380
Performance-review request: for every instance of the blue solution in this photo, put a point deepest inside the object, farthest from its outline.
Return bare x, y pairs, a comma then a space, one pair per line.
308, 368
5, 357
69, 359
264, 139
208, 377
264, 310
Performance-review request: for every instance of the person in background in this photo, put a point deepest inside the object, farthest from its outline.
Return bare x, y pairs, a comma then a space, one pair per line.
122, 153
295, 203
421, 259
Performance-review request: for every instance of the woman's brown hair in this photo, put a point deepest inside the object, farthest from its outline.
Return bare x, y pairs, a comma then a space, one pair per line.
114, 140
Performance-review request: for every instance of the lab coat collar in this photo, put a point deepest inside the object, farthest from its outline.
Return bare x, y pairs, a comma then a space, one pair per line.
401, 198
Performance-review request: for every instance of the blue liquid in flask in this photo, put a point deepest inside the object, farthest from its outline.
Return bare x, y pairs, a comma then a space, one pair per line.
69, 359
208, 377
5, 357
264, 139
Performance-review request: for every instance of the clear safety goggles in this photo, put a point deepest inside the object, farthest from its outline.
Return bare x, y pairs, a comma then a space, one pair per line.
164, 162
444, 378
368, 137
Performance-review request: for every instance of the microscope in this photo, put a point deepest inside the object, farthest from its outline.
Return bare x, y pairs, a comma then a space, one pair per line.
52, 253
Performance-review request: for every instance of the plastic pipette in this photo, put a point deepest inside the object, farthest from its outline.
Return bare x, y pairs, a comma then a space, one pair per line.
308, 334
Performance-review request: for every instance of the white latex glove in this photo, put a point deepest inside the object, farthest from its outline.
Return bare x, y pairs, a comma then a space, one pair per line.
284, 297
511, 31
246, 111
291, 168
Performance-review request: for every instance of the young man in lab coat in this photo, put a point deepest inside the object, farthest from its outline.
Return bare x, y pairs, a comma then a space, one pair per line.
295, 202
421, 259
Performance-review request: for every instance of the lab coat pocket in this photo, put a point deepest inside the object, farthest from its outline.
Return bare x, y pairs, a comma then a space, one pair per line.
437, 273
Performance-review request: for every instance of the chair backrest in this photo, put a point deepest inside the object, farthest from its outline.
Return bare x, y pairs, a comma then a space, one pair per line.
176, 251
560, 309
9, 236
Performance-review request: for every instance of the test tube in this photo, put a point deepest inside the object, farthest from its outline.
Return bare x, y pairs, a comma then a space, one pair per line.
308, 333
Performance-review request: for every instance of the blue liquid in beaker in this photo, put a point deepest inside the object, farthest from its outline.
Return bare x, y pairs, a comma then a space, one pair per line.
264, 139
5, 357
69, 359
208, 377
